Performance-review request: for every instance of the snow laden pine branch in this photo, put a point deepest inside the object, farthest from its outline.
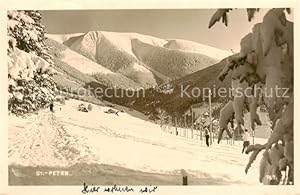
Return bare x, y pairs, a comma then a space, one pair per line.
30, 86
264, 63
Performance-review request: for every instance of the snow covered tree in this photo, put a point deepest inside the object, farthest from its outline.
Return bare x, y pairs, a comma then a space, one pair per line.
29, 33
265, 64
30, 86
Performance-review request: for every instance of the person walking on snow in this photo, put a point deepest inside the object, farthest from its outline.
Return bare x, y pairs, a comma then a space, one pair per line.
206, 136
246, 138
51, 107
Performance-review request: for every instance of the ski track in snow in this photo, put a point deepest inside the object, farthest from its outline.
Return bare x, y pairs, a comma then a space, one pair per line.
42, 141
68, 136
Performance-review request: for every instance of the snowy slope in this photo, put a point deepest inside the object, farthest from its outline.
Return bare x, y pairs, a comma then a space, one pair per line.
156, 60
122, 41
134, 75
82, 63
81, 68
169, 62
60, 38
191, 46
97, 137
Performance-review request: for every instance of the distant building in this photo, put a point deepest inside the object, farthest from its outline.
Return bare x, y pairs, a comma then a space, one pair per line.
200, 108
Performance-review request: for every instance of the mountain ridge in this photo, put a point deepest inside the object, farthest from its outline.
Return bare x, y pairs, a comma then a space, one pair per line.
146, 60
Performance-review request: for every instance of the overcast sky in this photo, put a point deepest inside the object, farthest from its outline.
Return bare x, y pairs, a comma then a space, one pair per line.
182, 24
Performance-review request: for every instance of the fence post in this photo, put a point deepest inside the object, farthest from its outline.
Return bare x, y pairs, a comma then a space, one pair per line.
176, 126
232, 139
253, 136
173, 126
184, 177
185, 130
192, 124
201, 133
210, 117
213, 134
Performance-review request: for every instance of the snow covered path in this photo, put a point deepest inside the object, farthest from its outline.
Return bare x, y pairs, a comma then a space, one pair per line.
41, 141
125, 141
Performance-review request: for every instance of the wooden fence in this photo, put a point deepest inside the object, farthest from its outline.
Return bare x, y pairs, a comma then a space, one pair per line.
178, 127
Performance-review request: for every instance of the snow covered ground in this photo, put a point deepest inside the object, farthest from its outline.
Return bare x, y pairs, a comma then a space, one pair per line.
68, 137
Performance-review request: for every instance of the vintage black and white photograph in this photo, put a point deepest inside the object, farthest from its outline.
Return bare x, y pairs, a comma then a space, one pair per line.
150, 97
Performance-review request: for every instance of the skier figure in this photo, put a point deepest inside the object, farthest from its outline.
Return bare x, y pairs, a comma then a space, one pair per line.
51, 106
206, 124
206, 136
246, 138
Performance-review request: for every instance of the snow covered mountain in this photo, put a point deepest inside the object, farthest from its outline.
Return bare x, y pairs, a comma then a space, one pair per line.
77, 70
143, 59
191, 46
